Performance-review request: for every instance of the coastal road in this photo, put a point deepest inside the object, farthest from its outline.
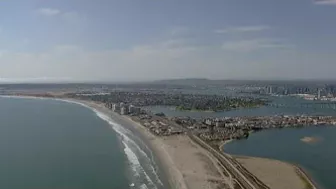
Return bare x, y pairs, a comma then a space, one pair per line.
232, 167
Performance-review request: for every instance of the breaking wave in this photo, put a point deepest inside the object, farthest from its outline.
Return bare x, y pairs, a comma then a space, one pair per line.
134, 153
140, 163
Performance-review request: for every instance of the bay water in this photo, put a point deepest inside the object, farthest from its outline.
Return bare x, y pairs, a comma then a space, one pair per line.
319, 159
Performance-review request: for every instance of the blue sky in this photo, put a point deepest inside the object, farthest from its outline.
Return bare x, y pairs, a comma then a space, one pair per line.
127, 40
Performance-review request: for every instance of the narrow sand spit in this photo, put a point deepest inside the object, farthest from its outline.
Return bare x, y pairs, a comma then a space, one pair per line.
275, 174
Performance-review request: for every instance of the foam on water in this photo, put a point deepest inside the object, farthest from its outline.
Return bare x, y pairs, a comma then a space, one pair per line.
136, 166
132, 159
143, 186
123, 132
130, 153
153, 165
130, 146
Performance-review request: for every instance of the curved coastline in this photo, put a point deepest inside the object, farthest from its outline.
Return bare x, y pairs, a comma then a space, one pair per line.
175, 178
300, 171
100, 109
171, 176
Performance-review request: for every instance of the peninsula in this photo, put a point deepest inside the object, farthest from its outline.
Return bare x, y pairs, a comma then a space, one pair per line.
177, 140
181, 101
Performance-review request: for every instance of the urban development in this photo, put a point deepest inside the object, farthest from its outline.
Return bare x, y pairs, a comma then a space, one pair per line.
209, 132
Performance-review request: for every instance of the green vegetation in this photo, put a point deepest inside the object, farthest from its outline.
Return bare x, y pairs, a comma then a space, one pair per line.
222, 105
183, 108
183, 102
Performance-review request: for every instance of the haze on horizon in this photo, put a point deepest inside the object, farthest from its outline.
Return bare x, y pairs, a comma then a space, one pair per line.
127, 40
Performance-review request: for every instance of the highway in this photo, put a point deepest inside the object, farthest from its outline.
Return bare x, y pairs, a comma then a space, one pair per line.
233, 167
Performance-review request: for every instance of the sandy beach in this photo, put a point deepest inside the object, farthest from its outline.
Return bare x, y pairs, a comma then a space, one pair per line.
275, 174
186, 165
311, 140
191, 167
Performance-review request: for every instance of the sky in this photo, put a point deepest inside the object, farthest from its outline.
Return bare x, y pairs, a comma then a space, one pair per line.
142, 40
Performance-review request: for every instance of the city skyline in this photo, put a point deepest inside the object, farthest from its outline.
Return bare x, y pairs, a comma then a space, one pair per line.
114, 41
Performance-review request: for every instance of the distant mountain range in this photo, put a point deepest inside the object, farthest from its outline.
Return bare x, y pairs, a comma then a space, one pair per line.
204, 81
186, 81
172, 82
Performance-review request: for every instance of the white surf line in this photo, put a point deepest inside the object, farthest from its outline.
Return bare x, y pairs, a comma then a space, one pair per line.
108, 119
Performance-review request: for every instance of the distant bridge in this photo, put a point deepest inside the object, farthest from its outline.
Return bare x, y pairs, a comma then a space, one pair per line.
320, 105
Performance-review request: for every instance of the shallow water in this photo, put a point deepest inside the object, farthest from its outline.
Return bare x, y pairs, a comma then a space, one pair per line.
318, 158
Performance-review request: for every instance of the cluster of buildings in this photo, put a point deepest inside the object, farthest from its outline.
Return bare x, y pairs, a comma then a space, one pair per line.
124, 109
219, 129
158, 125
202, 102
266, 122
319, 91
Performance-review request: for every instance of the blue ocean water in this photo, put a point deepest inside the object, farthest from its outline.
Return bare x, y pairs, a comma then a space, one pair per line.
54, 144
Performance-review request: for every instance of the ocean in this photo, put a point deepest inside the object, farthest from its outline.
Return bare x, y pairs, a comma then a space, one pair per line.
50, 144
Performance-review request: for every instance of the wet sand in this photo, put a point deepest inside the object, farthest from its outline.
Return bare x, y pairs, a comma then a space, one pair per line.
186, 165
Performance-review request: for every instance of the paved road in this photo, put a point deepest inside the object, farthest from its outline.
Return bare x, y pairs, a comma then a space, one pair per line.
241, 178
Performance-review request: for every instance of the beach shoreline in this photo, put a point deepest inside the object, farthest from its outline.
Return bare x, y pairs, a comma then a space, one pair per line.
175, 179
99, 108
182, 160
185, 164
172, 173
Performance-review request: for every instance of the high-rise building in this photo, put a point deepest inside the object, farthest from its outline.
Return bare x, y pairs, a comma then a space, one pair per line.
131, 109
269, 90
115, 108
318, 94
123, 110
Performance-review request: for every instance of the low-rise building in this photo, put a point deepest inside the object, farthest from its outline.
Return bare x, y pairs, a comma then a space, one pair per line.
137, 110
208, 122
